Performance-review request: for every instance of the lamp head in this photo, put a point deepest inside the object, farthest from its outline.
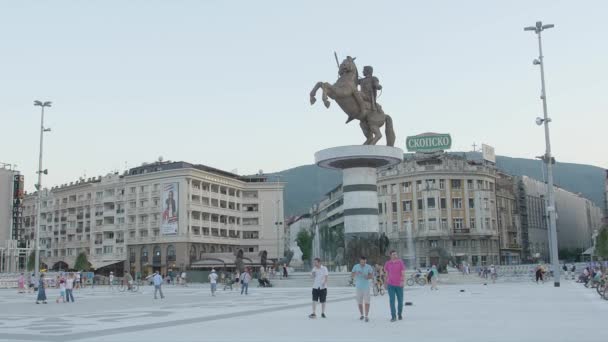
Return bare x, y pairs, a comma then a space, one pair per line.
539, 121
536, 62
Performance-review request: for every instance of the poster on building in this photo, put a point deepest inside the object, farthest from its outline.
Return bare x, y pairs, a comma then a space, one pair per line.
488, 154
170, 204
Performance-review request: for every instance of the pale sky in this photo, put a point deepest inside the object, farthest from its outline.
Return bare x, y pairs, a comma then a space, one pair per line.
226, 83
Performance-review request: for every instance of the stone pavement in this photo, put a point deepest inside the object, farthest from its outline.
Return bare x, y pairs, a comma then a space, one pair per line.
496, 312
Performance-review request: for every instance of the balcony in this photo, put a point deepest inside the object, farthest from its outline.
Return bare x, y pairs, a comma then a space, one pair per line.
131, 196
98, 242
514, 246
462, 230
120, 240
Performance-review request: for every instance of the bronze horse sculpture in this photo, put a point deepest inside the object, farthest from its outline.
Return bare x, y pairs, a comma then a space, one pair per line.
355, 104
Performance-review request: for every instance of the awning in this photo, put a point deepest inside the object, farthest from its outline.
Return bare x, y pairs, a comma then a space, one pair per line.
589, 251
103, 263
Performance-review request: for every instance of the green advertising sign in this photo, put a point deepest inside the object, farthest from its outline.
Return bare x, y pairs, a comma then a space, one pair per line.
428, 142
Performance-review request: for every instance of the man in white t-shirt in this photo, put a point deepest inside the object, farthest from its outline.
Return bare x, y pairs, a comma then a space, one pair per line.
184, 278
319, 288
111, 280
213, 281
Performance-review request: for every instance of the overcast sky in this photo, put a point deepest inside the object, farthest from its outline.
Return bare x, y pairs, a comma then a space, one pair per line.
226, 83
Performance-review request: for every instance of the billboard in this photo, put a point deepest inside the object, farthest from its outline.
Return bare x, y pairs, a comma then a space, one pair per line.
488, 154
428, 142
170, 204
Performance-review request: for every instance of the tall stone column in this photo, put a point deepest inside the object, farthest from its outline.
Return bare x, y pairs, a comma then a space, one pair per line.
358, 165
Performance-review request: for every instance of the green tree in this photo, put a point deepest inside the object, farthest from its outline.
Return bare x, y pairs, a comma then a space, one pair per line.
601, 244
31, 261
304, 241
82, 264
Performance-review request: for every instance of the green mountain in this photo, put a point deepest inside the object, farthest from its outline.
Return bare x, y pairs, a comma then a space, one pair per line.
308, 184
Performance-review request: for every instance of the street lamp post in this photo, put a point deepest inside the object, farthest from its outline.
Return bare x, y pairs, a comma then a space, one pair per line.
39, 187
547, 158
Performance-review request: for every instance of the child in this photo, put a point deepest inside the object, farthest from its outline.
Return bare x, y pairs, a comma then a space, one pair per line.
61, 291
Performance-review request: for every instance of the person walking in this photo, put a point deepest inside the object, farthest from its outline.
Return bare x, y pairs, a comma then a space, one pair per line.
245, 279
363, 273
539, 273
158, 283
395, 274
285, 274
31, 280
237, 279
184, 279
111, 278
41, 290
69, 287
320, 274
434, 277
61, 291
213, 281
21, 283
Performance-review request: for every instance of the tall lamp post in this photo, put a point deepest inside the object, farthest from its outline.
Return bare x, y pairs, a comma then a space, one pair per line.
39, 187
547, 158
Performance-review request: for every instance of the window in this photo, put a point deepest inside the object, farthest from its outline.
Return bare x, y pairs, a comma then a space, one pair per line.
472, 222
407, 186
471, 203
486, 204
418, 185
433, 243
170, 253
97, 251
384, 190
393, 188
443, 203
444, 224
457, 222
432, 223
379, 208
420, 205
456, 203
394, 205
407, 206
456, 184
470, 185
430, 184
488, 223
442, 184
108, 249
430, 203
421, 224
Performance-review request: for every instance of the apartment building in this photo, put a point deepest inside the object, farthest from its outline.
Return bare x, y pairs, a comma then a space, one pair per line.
161, 216
442, 206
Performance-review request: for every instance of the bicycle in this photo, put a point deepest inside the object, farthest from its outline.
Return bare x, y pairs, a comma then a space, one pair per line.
378, 288
125, 287
416, 279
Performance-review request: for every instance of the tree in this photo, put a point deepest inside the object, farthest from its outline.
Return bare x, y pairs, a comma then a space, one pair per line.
601, 243
31, 261
82, 264
304, 241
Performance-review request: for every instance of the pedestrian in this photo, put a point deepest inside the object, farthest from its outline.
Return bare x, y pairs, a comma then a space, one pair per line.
21, 283
69, 287
111, 280
285, 271
573, 271
41, 290
363, 273
184, 279
245, 279
395, 274
493, 273
434, 275
213, 281
61, 291
32, 283
77, 281
237, 279
320, 274
539, 273
158, 283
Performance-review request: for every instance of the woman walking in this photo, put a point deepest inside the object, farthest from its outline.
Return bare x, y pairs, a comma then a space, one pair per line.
434, 274
21, 283
41, 291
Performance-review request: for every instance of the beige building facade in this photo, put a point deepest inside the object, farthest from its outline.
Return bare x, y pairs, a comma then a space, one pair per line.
164, 216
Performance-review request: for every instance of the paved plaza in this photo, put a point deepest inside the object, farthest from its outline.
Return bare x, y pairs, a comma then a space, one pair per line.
496, 312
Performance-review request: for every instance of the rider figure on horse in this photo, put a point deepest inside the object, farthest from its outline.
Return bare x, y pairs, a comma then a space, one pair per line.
369, 88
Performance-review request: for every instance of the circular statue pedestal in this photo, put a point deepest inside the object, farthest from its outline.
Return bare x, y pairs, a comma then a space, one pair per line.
359, 186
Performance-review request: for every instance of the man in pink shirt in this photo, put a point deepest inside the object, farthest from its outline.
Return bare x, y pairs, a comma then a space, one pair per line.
395, 278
